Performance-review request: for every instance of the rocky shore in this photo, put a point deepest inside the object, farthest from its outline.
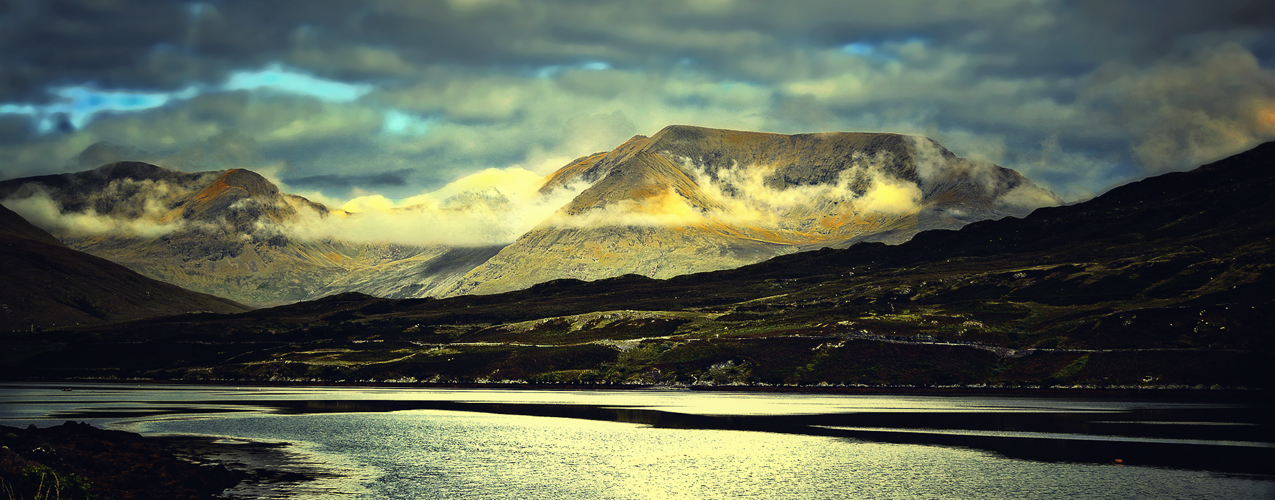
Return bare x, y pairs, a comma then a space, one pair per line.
77, 460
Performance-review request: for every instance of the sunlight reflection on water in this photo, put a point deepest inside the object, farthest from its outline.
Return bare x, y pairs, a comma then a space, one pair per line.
445, 454
433, 453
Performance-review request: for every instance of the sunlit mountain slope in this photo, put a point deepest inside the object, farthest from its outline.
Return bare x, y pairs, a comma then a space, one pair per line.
685, 200
692, 199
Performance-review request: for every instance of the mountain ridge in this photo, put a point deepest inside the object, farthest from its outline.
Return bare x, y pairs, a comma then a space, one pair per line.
1163, 283
226, 233
684, 200
724, 198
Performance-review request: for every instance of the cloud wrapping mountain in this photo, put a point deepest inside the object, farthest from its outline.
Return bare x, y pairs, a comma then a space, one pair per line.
687, 199
691, 199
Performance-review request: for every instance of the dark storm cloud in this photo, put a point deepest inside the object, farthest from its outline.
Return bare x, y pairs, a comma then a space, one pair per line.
13, 129
1080, 94
345, 182
69, 42
147, 43
164, 44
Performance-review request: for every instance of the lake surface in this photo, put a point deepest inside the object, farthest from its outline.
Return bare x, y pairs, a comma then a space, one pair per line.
648, 444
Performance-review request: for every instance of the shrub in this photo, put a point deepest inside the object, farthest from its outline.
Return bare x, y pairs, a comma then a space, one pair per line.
39, 482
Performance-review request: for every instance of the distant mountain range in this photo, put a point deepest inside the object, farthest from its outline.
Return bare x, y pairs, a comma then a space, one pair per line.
225, 233
685, 200
1167, 282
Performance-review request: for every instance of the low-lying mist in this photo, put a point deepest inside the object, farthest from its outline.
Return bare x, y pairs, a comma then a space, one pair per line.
494, 206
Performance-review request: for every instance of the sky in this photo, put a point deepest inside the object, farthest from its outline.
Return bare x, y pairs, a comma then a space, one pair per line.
394, 98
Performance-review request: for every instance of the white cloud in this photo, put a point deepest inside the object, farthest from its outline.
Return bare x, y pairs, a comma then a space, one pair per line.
278, 78
742, 196
490, 207
39, 209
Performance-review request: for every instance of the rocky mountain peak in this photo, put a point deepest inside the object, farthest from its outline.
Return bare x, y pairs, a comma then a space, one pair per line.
490, 199
589, 169
692, 199
234, 189
708, 168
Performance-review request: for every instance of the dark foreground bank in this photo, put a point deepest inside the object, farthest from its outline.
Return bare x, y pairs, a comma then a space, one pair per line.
77, 460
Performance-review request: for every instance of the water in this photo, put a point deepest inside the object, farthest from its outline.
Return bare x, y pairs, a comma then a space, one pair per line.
644, 444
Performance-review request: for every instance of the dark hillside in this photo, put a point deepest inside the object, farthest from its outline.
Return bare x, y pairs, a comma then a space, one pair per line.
47, 285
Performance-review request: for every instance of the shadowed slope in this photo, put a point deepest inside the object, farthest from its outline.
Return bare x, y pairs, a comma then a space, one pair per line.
13, 226
46, 284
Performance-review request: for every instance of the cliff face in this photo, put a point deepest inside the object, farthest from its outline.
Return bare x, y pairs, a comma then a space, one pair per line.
692, 199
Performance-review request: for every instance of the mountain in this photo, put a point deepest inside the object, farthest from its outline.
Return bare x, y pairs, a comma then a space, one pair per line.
230, 233
1164, 283
48, 285
692, 199
685, 200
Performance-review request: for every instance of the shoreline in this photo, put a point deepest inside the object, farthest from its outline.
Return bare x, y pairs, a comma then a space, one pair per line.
87, 460
1249, 395
112, 463
282, 467
1235, 439
268, 469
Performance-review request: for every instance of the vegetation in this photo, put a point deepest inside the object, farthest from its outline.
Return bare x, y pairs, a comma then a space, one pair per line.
78, 461
39, 482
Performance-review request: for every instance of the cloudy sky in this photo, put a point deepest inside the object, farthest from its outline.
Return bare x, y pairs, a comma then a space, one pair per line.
398, 97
